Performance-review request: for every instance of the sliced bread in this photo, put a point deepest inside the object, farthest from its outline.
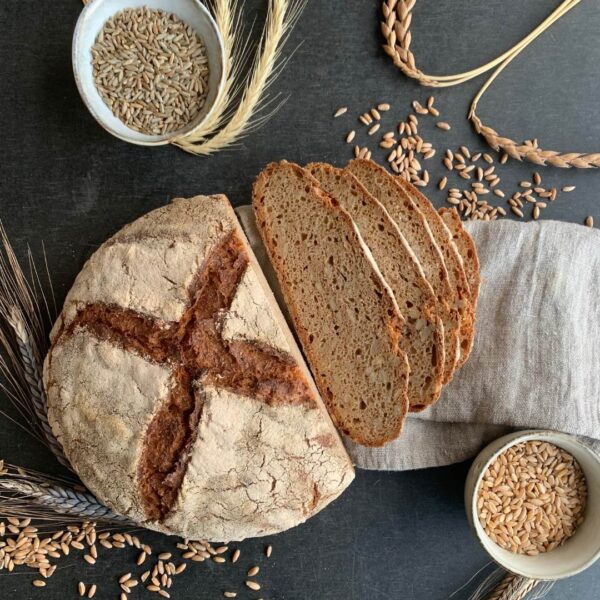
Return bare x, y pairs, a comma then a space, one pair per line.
453, 260
414, 227
344, 313
466, 248
423, 333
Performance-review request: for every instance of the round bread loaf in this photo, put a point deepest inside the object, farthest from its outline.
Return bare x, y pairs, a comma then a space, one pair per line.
177, 390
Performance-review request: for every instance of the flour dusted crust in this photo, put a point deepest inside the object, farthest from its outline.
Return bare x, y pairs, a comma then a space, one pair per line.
267, 469
166, 246
87, 374
106, 396
249, 316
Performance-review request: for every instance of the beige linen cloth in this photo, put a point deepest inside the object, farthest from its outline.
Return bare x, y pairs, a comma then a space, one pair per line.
535, 361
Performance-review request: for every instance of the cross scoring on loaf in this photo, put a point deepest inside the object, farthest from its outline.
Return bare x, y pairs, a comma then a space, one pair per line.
197, 354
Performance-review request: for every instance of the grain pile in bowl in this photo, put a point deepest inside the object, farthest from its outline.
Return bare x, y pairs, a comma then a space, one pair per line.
151, 70
532, 498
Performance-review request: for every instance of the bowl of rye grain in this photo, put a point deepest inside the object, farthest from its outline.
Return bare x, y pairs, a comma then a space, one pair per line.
149, 71
533, 501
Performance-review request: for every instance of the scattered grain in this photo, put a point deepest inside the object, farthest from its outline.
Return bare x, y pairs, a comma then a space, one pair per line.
443, 125
342, 110
253, 585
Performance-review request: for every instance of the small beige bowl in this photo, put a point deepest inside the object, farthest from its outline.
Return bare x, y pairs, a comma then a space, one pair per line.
578, 552
92, 19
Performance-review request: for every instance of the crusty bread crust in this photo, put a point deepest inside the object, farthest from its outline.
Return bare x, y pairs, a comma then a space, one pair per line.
423, 338
103, 394
328, 373
466, 247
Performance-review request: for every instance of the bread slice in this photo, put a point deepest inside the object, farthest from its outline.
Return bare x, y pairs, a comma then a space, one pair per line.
453, 260
344, 313
417, 233
423, 332
466, 248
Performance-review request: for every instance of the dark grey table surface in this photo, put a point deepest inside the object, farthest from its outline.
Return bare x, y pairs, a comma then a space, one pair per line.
68, 184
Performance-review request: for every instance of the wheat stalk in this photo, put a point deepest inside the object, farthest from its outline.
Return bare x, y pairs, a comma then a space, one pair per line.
396, 30
227, 17
524, 151
281, 17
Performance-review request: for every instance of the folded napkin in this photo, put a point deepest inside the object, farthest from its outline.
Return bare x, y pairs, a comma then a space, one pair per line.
533, 364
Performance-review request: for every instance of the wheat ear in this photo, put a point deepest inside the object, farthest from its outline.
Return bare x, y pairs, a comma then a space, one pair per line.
33, 377
500, 585
30, 494
281, 16
512, 587
23, 343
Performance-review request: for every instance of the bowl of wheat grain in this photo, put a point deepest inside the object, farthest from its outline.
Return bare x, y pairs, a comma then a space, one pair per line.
149, 71
533, 501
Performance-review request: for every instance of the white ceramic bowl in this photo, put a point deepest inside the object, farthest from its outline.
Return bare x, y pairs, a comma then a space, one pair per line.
579, 551
92, 19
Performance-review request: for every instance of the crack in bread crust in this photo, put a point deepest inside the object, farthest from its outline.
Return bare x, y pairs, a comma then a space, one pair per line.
195, 349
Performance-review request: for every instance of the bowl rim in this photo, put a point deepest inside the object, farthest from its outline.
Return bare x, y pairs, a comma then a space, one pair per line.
512, 439
151, 139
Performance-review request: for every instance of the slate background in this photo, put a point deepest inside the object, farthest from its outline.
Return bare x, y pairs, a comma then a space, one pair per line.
68, 184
